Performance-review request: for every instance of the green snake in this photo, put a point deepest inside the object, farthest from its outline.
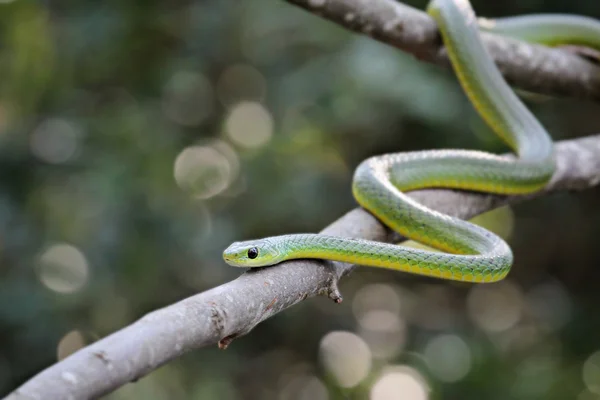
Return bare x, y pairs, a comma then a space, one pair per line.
468, 252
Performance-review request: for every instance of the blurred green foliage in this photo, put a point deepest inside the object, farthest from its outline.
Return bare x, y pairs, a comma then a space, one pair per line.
138, 139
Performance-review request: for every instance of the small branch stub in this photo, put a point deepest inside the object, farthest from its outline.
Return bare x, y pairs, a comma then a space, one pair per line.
333, 291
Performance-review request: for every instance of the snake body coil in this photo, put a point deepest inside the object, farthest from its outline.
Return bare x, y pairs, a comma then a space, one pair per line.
471, 253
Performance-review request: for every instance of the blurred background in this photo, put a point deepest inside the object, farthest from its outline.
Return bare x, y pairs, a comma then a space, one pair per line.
138, 139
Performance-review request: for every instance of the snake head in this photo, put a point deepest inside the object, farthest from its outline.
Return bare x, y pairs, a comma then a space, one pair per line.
253, 253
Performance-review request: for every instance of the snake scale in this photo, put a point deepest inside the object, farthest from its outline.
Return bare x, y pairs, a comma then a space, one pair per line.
468, 252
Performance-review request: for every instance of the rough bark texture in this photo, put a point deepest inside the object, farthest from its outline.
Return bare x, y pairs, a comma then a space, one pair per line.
527, 66
233, 309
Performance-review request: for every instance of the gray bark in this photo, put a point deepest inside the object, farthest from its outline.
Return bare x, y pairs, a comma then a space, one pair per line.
528, 66
233, 309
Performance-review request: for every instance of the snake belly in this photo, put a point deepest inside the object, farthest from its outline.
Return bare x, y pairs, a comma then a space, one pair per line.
469, 252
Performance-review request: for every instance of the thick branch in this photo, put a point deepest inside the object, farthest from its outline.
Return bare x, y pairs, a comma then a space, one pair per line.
528, 66
235, 308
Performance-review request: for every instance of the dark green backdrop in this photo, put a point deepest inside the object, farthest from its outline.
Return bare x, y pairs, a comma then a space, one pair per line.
139, 138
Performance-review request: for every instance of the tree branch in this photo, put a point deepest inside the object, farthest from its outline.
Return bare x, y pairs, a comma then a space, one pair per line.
528, 66
233, 309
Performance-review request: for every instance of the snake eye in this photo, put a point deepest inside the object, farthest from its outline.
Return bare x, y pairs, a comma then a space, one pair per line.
252, 253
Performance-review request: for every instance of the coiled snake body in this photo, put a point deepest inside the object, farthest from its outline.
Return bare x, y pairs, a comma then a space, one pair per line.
470, 253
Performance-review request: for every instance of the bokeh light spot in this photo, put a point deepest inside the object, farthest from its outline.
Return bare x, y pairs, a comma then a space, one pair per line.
495, 308
346, 357
587, 395
230, 154
400, 383
304, 387
69, 344
591, 373
249, 125
384, 332
380, 311
448, 357
376, 296
202, 171
55, 141
63, 268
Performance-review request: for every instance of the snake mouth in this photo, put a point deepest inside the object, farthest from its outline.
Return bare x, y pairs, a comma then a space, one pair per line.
231, 261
